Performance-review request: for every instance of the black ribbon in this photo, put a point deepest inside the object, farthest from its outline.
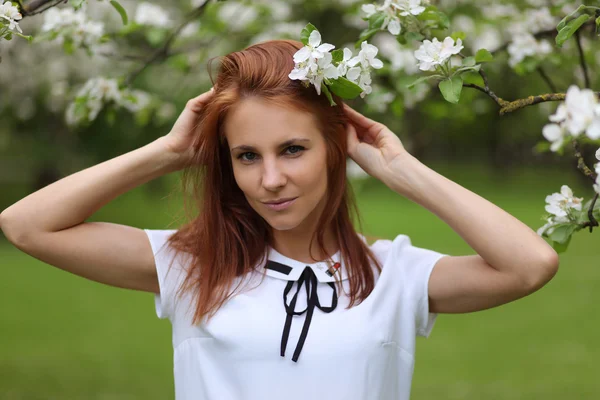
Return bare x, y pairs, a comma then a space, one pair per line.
309, 280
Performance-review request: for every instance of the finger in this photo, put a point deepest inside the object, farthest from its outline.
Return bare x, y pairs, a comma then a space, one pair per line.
352, 138
198, 102
358, 118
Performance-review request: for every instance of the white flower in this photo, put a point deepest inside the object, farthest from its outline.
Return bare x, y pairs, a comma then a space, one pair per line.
524, 44
152, 15
314, 48
433, 53
343, 65
598, 154
237, 15
362, 74
72, 25
366, 57
560, 203
409, 7
380, 99
548, 228
554, 134
579, 113
314, 70
12, 15
540, 19
400, 58
390, 21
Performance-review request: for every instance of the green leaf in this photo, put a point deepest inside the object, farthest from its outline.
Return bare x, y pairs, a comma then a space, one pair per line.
416, 36
483, 55
563, 22
451, 89
570, 28
423, 79
305, 33
468, 61
475, 68
337, 55
365, 35
345, 88
77, 3
597, 24
542, 147
458, 35
376, 20
325, 90
472, 77
561, 247
120, 10
8, 36
562, 233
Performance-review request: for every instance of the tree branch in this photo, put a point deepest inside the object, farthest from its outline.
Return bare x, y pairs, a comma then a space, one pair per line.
547, 79
37, 6
586, 76
163, 51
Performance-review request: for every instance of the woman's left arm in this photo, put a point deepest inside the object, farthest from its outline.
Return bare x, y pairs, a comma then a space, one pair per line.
512, 260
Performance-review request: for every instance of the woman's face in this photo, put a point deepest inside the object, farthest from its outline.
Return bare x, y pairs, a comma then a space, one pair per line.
278, 153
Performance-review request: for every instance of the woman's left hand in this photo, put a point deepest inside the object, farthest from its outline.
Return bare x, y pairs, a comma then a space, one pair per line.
372, 145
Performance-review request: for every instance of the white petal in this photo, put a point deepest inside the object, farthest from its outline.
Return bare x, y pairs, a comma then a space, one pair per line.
598, 154
394, 27
298, 74
314, 39
353, 74
347, 54
593, 131
376, 63
369, 9
552, 132
302, 54
325, 47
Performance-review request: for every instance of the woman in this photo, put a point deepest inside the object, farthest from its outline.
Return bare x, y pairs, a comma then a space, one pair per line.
266, 158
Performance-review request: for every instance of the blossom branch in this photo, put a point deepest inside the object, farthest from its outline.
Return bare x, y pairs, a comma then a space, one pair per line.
587, 172
37, 6
163, 51
586, 75
581, 162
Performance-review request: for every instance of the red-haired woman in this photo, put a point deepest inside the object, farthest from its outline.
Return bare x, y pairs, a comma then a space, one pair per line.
271, 292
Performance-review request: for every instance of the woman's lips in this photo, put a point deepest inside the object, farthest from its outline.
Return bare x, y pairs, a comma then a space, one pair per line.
280, 206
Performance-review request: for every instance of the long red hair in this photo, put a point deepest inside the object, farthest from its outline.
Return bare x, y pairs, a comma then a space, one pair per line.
226, 238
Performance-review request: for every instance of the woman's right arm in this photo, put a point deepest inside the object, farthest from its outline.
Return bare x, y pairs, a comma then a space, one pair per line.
50, 224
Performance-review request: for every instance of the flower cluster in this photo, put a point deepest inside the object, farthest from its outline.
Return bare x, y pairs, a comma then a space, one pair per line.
341, 72
433, 53
580, 113
523, 45
10, 14
68, 25
392, 11
98, 92
152, 15
560, 206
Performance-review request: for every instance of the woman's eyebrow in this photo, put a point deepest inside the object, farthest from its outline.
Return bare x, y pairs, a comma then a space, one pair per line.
284, 144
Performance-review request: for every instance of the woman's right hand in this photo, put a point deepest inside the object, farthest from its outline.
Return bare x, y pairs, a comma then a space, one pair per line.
179, 140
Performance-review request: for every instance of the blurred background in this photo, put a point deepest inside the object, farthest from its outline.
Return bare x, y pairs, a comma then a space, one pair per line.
62, 337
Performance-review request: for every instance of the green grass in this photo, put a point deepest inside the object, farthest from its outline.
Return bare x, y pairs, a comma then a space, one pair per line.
63, 337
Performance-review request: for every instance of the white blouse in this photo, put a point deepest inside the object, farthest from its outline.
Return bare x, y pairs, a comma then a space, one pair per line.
253, 350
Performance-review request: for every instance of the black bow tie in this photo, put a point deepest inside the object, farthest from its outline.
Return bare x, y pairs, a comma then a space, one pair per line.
309, 279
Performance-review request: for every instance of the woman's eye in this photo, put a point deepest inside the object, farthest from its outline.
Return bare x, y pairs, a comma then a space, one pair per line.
298, 149
241, 156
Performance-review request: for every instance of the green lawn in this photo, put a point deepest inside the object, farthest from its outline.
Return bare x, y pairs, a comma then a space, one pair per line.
63, 337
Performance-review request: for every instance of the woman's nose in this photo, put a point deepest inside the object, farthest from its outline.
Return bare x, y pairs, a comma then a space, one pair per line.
273, 176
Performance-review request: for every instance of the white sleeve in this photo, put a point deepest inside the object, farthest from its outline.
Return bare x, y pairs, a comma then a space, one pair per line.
170, 272
417, 264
